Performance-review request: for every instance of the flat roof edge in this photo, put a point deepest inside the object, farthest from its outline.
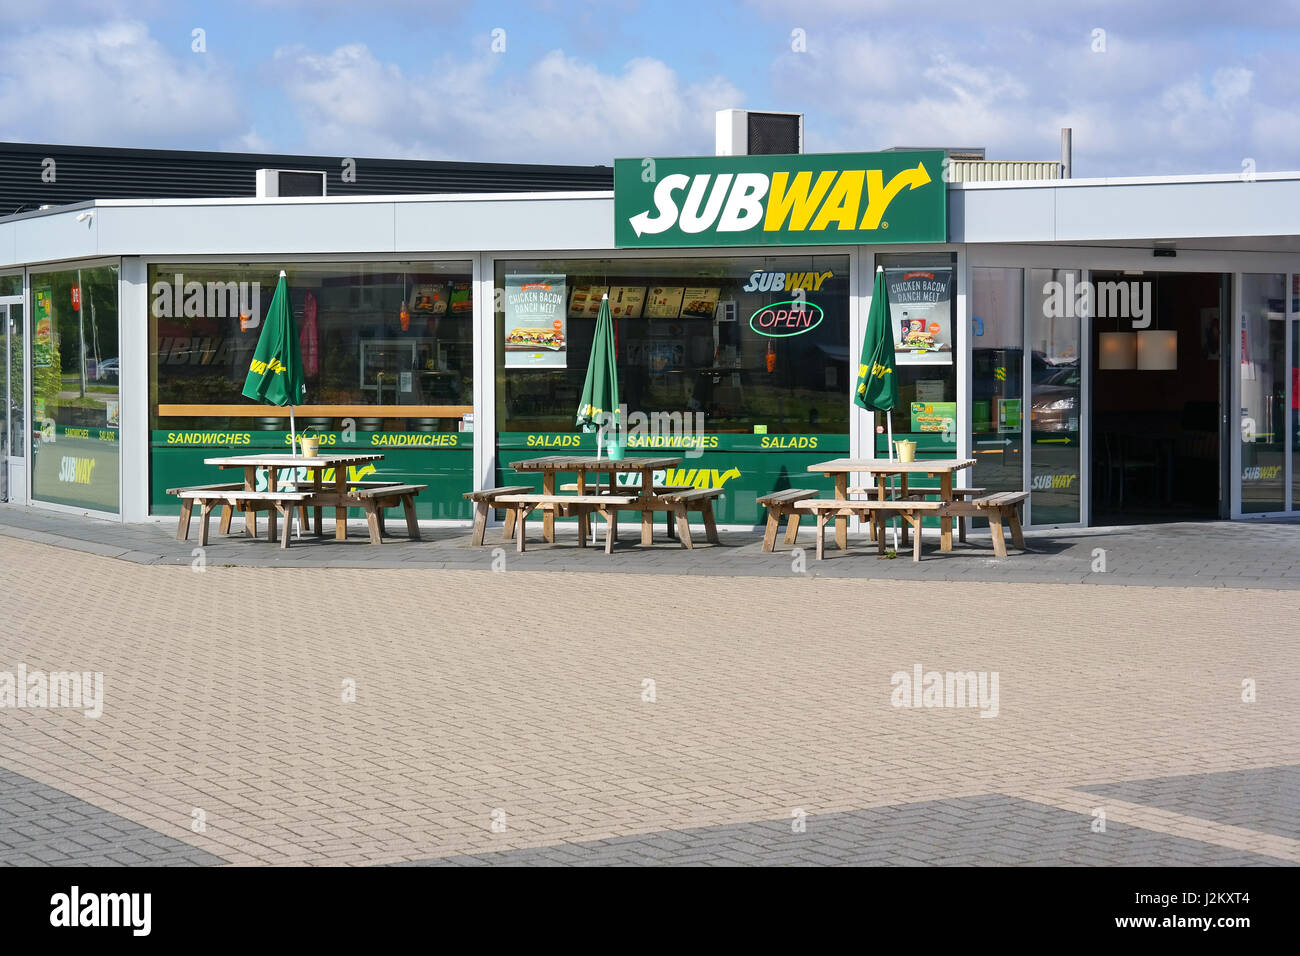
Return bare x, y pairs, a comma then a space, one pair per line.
1126, 181
593, 194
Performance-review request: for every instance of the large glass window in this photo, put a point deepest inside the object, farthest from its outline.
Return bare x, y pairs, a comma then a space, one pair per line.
1295, 394
750, 352
75, 387
1055, 397
387, 348
12, 437
923, 318
1295, 416
712, 335
997, 363
1263, 392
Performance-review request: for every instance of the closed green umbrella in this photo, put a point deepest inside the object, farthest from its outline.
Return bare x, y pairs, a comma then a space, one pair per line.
275, 374
877, 389
598, 407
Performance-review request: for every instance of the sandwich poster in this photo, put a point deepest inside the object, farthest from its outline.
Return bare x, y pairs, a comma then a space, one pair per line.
920, 304
536, 330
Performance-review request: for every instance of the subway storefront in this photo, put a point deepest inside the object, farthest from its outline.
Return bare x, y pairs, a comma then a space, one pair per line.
1113, 378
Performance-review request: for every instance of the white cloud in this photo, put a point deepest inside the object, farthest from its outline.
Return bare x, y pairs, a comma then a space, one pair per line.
112, 85
559, 109
1148, 104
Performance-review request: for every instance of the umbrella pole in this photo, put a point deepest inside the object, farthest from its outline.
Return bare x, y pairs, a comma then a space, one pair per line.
889, 424
591, 525
293, 450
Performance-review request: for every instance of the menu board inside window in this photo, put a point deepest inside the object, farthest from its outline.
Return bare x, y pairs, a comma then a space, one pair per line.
585, 301
664, 302
626, 302
700, 303
920, 305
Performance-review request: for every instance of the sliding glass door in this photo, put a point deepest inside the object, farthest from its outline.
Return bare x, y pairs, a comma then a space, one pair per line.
1265, 381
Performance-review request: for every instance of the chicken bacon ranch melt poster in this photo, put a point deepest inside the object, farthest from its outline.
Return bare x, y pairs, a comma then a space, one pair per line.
536, 329
920, 302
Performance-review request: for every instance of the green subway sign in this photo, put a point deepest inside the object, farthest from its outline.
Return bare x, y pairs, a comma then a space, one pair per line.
800, 200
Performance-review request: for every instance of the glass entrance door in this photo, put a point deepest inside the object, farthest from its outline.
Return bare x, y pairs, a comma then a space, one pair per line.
1264, 399
12, 435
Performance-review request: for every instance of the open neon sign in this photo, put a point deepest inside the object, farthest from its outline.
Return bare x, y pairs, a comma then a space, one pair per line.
780, 320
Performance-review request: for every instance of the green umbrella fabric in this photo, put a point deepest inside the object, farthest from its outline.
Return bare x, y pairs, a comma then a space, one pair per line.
275, 374
877, 389
599, 404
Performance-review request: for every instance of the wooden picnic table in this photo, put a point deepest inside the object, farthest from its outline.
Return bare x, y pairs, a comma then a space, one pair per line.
336, 498
881, 470
582, 465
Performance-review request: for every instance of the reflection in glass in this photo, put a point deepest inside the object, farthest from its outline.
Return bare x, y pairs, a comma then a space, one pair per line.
923, 317
1055, 397
717, 336
75, 404
997, 357
1263, 392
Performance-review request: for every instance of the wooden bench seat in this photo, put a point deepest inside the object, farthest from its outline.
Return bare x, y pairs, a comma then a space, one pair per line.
600, 488
781, 504
235, 497
374, 498
912, 509
958, 494
485, 500
694, 499
571, 505
996, 507
682, 498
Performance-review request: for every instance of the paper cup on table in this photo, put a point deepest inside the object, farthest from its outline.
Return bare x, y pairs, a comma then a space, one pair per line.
906, 450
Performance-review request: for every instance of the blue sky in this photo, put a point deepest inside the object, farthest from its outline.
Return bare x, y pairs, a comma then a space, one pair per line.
1148, 87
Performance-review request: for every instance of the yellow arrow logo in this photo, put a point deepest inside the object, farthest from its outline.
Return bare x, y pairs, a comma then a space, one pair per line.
879, 196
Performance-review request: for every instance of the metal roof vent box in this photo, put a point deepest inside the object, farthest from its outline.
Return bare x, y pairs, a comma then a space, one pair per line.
273, 183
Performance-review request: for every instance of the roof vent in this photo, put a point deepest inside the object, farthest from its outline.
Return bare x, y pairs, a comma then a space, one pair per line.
273, 183
742, 133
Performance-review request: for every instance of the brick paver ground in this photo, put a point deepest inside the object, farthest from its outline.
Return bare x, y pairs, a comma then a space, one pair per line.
1250, 554
991, 830
41, 826
1267, 799
520, 698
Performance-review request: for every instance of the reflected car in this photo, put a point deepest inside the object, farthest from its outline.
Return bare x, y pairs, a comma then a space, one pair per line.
1055, 405
107, 371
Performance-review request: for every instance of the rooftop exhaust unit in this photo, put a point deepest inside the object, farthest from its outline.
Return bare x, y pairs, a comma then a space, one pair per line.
744, 133
272, 183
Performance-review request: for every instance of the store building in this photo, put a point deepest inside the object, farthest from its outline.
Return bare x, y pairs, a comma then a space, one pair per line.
1123, 349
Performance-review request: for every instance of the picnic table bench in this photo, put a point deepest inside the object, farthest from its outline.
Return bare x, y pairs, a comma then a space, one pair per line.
590, 495
783, 504
912, 510
997, 507
341, 493
374, 497
485, 500
570, 505
236, 498
957, 493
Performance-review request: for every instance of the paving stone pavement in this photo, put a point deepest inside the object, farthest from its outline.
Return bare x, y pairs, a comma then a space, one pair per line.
525, 694
1250, 554
41, 826
989, 830
1267, 799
